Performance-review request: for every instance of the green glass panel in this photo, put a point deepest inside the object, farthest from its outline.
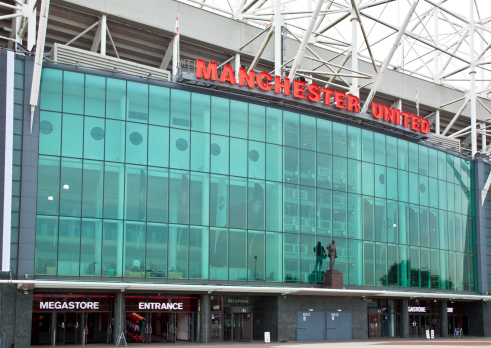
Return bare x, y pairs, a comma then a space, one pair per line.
257, 122
324, 171
158, 105
115, 136
340, 173
413, 157
19, 66
291, 129
238, 157
450, 196
69, 247
368, 223
414, 232
220, 115
291, 258
112, 248
381, 264
179, 252
136, 143
424, 222
423, 160
291, 208
324, 212
255, 205
435, 269
115, 99
239, 115
339, 139
134, 249
219, 150
73, 92
392, 187
433, 163
219, 254
219, 198
391, 151
442, 226
355, 262
339, 214
137, 96
425, 268
450, 168
354, 176
403, 154
274, 216
442, 166
442, 195
380, 181
238, 203
415, 267
113, 190
423, 190
48, 185
180, 110
49, 133
91, 247
368, 187
355, 216
307, 133
354, 143
72, 135
380, 219
308, 168
157, 200
324, 136
179, 149
200, 152
459, 237
199, 239
256, 256
238, 258
403, 226
307, 210
156, 250
402, 180
94, 135
200, 113
392, 222
93, 188
257, 158
274, 162
158, 146
404, 280
199, 188
51, 89
308, 262
433, 192
433, 229
71, 187
367, 146
274, 256
95, 98
135, 193
290, 165
274, 126
46, 245
394, 267
379, 144
369, 259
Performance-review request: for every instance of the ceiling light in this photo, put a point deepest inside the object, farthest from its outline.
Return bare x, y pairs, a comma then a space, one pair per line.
50, 198
66, 187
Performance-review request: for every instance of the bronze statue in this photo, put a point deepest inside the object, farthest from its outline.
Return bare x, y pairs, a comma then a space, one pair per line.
320, 255
332, 254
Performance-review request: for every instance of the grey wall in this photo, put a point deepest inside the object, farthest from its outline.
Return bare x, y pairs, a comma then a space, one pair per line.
16, 315
483, 227
3, 102
289, 306
30, 143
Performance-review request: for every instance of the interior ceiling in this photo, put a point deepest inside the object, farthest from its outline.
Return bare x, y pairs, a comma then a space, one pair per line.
138, 43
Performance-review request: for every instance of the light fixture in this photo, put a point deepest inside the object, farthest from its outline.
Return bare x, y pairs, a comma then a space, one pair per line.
66, 187
395, 225
340, 310
311, 310
50, 198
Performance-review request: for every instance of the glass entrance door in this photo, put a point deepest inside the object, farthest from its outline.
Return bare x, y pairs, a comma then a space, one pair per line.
374, 326
161, 327
97, 327
68, 328
41, 329
242, 327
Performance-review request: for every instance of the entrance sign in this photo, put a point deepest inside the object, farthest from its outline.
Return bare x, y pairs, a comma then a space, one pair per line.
156, 305
310, 92
68, 305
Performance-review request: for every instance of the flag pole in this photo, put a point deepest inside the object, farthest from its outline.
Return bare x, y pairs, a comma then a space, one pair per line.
175, 50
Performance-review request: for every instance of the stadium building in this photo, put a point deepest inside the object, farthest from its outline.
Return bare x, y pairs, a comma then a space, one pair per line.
170, 180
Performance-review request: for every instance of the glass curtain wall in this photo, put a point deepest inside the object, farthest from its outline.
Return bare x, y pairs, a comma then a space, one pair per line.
144, 181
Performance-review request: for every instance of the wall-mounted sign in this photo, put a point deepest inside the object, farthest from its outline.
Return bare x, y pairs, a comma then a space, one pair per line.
72, 302
423, 310
68, 305
176, 306
308, 91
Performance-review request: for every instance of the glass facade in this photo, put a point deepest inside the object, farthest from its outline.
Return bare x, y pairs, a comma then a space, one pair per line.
144, 181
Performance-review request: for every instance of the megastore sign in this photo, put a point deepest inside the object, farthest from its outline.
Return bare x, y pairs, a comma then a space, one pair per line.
310, 92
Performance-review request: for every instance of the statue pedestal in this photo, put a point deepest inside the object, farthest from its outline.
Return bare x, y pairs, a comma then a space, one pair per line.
333, 279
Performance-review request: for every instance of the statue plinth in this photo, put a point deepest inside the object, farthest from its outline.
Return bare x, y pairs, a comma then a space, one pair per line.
333, 279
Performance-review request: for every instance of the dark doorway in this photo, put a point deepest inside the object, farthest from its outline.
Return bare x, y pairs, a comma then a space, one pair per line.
41, 329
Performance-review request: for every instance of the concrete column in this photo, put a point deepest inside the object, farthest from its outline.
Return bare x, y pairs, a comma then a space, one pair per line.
405, 319
205, 319
443, 319
119, 315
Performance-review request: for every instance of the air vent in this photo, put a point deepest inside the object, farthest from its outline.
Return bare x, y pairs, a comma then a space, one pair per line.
445, 142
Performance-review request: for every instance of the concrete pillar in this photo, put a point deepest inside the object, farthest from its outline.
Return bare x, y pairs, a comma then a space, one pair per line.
443, 319
405, 318
23, 318
205, 319
119, 315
